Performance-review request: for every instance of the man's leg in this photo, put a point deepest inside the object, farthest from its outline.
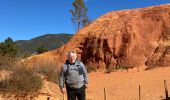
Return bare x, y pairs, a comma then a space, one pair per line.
81, 93
71, 94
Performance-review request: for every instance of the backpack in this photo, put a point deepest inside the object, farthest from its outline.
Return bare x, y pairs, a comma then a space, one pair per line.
80, 68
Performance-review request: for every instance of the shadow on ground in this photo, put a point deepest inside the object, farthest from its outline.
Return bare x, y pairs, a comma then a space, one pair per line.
166, 98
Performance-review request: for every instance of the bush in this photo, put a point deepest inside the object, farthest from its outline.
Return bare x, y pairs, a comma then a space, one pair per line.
109, 69
90, 68
8, 47
50, 72
41, 49
22, 81
124, 67
49, 69
7, 63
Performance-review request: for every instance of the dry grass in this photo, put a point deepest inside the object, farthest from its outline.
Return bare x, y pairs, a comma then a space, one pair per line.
7, 63
48, 68
22, 81
90, 69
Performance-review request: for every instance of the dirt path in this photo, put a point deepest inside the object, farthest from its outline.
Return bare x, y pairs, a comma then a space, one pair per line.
125, 86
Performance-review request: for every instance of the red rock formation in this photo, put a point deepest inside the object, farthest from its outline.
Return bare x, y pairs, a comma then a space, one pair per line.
122, 38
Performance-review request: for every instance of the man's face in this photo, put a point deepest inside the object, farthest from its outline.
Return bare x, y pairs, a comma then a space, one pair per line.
72, 58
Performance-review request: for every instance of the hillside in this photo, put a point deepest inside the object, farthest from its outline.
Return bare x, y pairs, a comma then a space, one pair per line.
126, 38
49, 41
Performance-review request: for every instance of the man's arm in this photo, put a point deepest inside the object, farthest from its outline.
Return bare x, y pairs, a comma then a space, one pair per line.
62, 80
85, 74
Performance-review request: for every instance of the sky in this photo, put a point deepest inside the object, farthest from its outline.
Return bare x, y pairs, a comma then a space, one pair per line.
27, 19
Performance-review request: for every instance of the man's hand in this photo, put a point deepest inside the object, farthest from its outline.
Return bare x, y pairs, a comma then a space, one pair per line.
86, 86
62, 90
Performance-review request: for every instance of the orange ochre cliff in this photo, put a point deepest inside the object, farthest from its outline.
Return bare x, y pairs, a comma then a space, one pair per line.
120, 38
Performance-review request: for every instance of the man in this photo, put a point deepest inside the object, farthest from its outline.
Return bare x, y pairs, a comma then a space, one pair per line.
74, 75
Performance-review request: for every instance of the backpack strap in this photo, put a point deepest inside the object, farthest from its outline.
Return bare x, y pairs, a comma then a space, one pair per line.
66, 73
68, 67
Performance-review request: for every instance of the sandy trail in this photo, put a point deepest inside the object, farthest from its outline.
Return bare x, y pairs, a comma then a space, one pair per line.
125, 86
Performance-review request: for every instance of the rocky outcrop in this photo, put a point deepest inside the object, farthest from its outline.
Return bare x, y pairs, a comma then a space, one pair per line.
161, 56
122, 38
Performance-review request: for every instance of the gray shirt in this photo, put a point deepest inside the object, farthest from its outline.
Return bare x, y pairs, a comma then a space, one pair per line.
75, 77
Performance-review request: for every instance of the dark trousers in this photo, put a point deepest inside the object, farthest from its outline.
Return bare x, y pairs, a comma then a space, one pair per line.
73, 93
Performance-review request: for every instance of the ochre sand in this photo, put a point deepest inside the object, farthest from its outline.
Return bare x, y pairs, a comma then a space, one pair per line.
123, 85
119, 85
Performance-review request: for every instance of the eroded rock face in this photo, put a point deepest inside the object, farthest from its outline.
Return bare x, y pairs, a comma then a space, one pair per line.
161, 56
123, 38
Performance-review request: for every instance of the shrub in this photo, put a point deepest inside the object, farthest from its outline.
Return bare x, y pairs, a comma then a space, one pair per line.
41, 49
22, 81
8, 47
124, 67
109, 69
7, 63
49, 69
50, 72
90, 68
121, 67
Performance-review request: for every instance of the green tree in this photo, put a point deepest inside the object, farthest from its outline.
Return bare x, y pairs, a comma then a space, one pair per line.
8, 48
41, 49
79, 14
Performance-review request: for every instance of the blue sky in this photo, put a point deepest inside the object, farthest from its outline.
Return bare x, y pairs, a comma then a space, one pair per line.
26, 19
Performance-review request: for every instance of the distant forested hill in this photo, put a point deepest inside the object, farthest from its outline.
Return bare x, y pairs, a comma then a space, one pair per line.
49, 41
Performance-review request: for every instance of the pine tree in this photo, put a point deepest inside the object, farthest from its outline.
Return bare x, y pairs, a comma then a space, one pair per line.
79, 14
8, 48
41, 49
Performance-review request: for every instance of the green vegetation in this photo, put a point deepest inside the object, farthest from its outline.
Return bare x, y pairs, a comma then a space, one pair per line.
8, 48
41, 49
49, 41
116, 68
20, 79
79, 14
23, 80
8, 54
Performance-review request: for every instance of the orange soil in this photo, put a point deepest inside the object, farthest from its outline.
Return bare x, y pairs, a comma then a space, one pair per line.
119, 86
125, 86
